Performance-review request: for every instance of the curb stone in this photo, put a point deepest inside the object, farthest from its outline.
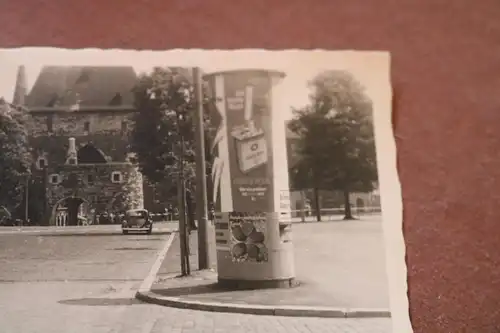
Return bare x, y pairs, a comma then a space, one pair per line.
285, 311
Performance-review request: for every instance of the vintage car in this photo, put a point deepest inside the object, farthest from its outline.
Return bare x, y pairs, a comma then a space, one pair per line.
137, 220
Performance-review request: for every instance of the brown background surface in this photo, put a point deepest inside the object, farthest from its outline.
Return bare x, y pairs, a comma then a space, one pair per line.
446, 73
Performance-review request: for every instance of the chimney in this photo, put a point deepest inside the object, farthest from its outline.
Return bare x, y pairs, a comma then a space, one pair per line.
21, 88
72, 155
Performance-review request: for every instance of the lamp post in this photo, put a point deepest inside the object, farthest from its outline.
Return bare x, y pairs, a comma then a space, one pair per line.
204, 259
181, 190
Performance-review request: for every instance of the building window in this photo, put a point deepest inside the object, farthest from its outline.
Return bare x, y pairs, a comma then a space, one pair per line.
90, 179
41, 163
116, 177
54, 179
132, 158
50, 123
86, 126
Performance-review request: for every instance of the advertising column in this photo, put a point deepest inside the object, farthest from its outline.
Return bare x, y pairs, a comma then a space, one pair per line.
250, 181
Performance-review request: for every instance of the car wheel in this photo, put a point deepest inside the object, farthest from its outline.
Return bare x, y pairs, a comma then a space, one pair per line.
150, 230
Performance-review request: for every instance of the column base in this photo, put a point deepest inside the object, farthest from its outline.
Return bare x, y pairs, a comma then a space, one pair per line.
233, 284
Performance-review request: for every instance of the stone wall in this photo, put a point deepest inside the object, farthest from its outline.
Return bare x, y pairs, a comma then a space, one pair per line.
94, 184
73, 123
108, 132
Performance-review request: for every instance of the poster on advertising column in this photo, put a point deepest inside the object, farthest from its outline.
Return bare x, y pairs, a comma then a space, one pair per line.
248, 236
243, 167
249, 140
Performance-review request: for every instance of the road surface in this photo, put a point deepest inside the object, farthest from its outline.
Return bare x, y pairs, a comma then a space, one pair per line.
84, 281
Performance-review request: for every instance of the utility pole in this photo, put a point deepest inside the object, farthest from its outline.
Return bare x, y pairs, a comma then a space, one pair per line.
204, 260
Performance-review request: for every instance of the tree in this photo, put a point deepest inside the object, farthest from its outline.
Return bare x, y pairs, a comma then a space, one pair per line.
163, 125
337, 146
15, 159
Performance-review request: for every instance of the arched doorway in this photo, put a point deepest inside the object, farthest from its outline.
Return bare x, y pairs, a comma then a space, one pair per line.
71, 211
89, 154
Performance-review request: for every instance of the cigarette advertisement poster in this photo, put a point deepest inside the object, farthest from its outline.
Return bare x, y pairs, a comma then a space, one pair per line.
249, 140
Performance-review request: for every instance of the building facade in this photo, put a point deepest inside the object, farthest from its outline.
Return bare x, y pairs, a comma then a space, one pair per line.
79, 122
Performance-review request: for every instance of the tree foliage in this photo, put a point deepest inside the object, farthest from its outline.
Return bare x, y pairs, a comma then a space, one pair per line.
336, 146
166, 104
15, 159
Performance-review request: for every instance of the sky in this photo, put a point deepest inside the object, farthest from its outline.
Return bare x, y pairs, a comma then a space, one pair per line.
299, 66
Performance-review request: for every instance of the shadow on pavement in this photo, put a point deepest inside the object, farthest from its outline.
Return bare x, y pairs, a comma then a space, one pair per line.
101, 301
209, 288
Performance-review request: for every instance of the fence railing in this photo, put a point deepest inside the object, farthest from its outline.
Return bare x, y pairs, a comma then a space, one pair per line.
334, 213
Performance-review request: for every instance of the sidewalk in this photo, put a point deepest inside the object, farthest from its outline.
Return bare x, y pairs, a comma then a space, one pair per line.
340, 267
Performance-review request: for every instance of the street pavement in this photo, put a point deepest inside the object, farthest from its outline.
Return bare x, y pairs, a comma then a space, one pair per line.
84, 281
93, 229
338, 264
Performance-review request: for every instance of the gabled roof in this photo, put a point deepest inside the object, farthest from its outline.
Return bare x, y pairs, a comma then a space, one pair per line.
91, 86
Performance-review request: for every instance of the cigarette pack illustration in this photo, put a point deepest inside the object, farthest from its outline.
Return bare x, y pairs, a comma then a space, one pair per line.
250, 141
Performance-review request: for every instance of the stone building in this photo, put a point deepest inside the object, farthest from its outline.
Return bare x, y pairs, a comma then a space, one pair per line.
78, 131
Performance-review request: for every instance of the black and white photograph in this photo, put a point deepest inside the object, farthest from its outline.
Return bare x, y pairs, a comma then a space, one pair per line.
193, 191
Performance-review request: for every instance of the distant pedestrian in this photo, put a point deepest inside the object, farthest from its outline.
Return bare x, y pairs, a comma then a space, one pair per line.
308, 208
169, 212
